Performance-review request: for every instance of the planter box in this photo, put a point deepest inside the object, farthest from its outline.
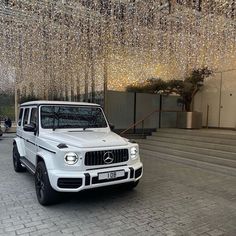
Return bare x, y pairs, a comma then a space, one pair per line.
189, 120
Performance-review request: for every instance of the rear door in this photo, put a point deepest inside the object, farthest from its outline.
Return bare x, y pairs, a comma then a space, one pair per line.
30, 137
19, 123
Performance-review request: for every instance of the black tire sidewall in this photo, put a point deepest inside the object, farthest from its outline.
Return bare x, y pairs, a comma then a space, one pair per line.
16, 160
49, 194
132, 185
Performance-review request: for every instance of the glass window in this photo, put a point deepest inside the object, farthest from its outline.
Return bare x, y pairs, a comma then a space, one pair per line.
72, 117
26, 115
33, 116
20, 117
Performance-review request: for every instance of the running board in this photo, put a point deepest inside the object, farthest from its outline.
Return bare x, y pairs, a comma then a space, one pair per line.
30, 167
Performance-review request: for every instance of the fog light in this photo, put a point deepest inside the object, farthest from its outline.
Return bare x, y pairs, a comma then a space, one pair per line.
71, 158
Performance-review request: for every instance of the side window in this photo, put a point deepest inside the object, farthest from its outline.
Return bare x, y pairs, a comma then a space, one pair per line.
20, 116
26, 115
33, 116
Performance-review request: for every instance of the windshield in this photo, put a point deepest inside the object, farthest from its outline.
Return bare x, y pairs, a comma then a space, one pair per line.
58, 117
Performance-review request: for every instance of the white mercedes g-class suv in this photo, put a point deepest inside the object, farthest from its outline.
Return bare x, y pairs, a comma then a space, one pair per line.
69, 147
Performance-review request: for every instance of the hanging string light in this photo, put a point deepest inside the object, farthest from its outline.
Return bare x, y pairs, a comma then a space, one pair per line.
70, 49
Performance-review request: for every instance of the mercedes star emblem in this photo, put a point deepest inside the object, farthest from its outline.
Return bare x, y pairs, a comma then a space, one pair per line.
108, 157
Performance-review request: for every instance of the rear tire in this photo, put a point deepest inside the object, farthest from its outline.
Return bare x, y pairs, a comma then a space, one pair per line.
16, 160
46, 195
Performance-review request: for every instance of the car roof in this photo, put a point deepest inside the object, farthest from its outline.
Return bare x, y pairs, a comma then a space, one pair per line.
45, 102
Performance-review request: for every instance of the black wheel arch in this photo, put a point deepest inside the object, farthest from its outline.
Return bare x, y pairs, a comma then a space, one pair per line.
39, 159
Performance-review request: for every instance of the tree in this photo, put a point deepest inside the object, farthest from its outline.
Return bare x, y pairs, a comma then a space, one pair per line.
192, 84
149, 86
186, 88
28, 98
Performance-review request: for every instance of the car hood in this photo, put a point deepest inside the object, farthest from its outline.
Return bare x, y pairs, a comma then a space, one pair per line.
86, 139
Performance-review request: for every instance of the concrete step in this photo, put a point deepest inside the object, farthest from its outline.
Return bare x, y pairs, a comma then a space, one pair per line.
189, 155
187, 148
226, 134
200, 144
135, 136
10, 130
199, 164
195, 138
214, 133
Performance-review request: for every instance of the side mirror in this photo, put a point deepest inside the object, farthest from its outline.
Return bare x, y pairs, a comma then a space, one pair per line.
29, 128
19, 123
112, 127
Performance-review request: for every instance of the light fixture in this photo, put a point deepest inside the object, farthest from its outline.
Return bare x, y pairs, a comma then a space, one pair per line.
71, 158
134, 153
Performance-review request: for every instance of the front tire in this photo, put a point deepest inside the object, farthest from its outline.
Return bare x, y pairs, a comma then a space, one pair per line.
16, 160
46, 195
132, 185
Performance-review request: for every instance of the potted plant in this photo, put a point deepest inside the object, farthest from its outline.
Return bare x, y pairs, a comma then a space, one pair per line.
186, 88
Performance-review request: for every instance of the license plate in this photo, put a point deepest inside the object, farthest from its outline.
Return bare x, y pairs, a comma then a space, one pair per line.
111, 175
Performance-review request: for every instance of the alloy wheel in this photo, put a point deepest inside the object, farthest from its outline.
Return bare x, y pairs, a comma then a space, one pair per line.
40, 186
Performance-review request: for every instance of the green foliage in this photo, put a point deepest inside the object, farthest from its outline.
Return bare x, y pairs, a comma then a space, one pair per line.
8, 111
7, 106
27, 98
186, 88
150, 86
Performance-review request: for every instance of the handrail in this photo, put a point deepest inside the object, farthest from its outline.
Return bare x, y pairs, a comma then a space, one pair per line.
147, 116
138, 122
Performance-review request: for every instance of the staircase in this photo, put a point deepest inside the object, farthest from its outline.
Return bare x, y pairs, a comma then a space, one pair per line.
210, 149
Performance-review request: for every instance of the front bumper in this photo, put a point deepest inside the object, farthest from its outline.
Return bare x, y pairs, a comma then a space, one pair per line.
75, 181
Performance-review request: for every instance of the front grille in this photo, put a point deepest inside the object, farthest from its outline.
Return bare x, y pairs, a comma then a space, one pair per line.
131, 173
138, 172
97, 157
69, 182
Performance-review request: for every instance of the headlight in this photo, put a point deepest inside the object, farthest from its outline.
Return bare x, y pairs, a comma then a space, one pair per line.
134, 152
71, 158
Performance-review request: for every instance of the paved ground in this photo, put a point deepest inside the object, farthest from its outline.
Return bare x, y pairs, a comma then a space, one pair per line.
172, 199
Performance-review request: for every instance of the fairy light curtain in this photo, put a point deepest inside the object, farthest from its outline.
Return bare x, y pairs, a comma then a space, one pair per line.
73, 49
